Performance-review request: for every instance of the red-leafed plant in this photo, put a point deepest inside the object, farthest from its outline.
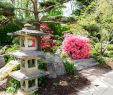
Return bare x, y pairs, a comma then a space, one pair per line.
46, 41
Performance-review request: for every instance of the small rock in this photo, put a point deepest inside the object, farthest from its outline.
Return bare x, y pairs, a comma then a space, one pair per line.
55, 65
3, 49
3, 84
2, 61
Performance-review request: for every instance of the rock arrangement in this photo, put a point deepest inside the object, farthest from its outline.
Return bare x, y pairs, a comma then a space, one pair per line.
55, 65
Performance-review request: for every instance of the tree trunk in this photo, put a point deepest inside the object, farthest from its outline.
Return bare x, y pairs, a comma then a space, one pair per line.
35, 6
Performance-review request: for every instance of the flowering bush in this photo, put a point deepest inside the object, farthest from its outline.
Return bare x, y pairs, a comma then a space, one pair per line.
76, 46
46, 40
47, 44
45, 28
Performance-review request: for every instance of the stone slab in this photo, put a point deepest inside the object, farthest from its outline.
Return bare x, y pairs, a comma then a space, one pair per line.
3, 84
27, 54
108, 78
85, 63
101, 86
2, 61
94, 72
109, 91
18, 75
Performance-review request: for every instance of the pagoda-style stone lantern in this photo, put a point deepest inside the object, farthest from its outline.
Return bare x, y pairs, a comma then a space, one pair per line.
28, 56
29, 37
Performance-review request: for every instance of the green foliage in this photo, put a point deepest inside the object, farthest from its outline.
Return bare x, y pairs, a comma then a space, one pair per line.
85, 2
99, 13
10, 49
95, 17
9, 27
13, 86
35, 93
93, 29
58, 28
100, 59
58, 42
42, 64
7, 9
69, 67
6, 5
98, 23
58, 1
41, 80
77, 29
55, 12
110, 47
100, 45
63, 56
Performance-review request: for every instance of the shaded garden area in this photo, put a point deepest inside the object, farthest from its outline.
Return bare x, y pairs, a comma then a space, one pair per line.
64, 85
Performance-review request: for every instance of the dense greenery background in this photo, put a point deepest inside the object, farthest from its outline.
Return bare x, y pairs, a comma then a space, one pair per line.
91, 17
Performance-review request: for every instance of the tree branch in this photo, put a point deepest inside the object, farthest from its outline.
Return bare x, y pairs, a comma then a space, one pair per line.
46, 9
24, 9
43, 10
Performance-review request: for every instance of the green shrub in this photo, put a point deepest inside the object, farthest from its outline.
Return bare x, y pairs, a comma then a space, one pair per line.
99, 59
10, 49
41, 80
58, 28
93, 29
110, 47
42, 64
8, 28
70, 67
102, 44
13, 86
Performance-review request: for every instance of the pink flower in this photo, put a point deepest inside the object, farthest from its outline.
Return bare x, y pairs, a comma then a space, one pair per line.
76, 46
47, 44
44, 44
46, 37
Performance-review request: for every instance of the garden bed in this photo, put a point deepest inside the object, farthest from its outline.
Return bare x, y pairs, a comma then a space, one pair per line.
64, 85
72, 84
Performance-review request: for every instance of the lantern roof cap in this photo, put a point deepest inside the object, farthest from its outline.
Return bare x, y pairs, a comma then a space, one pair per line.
27, 25
28, 30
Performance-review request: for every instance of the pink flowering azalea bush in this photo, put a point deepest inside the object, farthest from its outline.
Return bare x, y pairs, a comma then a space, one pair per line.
76, 46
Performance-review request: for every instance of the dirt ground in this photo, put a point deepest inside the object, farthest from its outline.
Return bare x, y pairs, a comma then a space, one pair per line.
64, 85
71, 84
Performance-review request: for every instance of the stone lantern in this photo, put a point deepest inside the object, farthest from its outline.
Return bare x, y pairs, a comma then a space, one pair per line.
28, 56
